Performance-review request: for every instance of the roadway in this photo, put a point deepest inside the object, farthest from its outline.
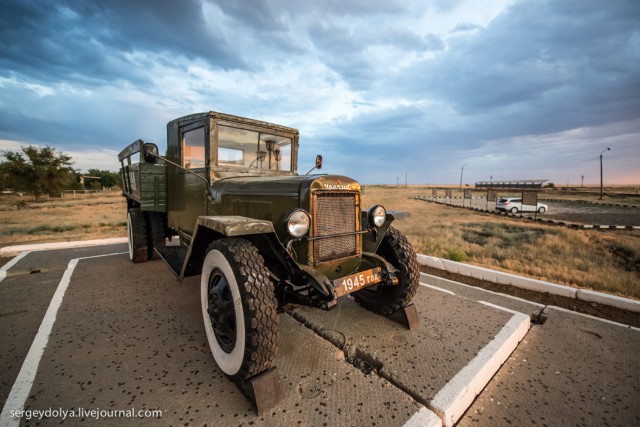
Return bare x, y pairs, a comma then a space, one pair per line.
568, 211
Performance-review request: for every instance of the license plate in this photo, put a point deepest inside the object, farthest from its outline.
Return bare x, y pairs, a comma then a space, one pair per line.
355, 282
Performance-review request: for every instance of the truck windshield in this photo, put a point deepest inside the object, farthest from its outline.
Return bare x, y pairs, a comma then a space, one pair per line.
254, 150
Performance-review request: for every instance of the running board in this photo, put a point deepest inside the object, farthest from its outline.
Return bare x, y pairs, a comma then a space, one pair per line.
174, 256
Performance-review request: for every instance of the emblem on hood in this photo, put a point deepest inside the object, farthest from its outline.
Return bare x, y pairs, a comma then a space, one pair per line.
337, 186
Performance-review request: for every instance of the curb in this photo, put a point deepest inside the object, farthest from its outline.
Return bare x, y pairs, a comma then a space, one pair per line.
503, 278
61, 245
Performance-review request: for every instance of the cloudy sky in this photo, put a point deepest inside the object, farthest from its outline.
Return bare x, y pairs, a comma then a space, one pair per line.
512, 89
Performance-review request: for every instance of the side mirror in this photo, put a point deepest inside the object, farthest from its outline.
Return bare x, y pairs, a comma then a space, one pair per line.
318, 164
150, 153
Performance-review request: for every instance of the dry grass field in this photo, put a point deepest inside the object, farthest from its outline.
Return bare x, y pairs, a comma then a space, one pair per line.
83, 217
605, 261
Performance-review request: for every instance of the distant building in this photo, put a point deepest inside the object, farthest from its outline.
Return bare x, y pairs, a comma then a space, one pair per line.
530, 184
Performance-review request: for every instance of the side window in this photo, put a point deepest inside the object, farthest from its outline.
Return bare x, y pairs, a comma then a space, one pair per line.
193, 149
283, 155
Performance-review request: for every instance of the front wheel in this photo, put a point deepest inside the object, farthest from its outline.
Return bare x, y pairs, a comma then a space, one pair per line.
239, 309
514, 210
541, 209
386, 299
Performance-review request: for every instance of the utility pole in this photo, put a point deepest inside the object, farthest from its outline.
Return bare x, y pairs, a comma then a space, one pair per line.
405, 179
582, 176
601, 181
461, 172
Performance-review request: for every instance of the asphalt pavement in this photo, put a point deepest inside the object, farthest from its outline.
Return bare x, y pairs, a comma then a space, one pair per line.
573, 212
86, 330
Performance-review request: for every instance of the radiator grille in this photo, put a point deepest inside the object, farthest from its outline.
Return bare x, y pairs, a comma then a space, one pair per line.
335, 214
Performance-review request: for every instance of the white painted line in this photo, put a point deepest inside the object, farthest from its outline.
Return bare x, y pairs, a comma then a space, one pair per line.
499, 307
424, 276
588, 316
424, 418
61, 245
446, 291
457, 395
22, 386
7, 266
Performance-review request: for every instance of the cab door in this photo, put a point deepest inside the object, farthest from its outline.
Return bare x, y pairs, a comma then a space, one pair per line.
188, 187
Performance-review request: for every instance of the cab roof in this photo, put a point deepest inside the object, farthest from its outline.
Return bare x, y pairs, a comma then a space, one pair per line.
181, 121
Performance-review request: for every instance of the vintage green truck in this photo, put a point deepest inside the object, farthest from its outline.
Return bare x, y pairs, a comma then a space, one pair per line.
260, 235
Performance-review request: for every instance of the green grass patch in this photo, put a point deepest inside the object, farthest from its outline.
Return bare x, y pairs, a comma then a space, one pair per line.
502, 235
455, 254
626, 257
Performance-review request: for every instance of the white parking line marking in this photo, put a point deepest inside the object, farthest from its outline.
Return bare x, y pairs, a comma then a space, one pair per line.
499, 307
446, 291
588, 316
22, 386
458, 394
425, 275
7, 266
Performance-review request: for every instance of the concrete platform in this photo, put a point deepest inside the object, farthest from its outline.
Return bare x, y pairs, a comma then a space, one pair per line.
444, 364
575, 370
129, 336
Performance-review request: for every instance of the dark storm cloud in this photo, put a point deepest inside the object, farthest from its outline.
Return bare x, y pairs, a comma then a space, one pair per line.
543, 67
259, 15
464, 27
177, 28
357, 8
87, 40
379, 77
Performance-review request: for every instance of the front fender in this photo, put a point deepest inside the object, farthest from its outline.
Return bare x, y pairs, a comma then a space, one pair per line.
210, 228
371, 241
232, 226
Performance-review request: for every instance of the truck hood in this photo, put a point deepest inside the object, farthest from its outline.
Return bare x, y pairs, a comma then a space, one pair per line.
286, 186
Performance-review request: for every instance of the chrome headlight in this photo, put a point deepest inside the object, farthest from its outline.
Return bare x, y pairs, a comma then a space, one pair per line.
297, 223
377, 216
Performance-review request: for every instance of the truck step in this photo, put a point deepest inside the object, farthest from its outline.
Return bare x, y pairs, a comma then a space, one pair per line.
174, 256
